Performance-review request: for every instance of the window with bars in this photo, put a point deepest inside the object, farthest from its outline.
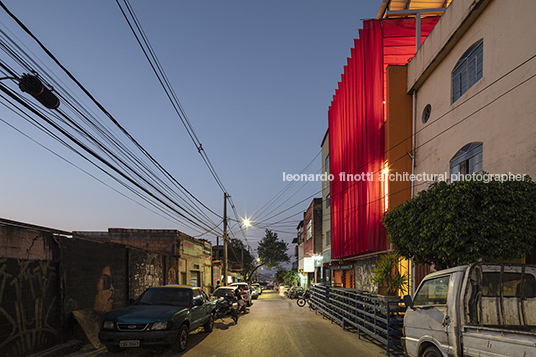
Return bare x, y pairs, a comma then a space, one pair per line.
468, 70
468, 160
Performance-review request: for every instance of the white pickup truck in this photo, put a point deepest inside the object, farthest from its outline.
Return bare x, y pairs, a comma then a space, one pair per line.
474, 310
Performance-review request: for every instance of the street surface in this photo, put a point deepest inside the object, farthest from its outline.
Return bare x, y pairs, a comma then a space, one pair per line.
275, 326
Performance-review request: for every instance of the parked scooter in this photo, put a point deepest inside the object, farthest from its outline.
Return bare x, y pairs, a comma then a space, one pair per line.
303, 298
225, 305
294, 292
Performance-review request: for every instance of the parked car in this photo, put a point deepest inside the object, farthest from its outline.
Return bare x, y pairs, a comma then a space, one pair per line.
247, 290
473, 310
257, 287
222, 291
161, 316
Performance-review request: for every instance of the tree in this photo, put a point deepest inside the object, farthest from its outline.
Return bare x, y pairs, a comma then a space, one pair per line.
272, 252
461, 222
289, 277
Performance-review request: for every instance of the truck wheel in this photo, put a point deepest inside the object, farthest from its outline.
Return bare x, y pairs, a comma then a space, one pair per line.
209, 325
432, 352
182, 340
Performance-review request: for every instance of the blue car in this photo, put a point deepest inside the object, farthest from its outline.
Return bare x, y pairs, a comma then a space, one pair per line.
161, 316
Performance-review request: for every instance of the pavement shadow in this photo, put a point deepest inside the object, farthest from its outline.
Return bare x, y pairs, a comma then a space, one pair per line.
224, 324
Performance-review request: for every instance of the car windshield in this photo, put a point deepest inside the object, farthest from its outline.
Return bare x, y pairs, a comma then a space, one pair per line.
165, 296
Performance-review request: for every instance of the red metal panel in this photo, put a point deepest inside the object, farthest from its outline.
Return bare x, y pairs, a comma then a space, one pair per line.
356, 135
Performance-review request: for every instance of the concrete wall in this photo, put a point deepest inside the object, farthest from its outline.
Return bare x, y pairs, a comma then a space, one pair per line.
146, 270
95, 275
363, 273
30, 310
29, 306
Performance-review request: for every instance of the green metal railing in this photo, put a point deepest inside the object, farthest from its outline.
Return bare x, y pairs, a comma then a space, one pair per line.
373, 315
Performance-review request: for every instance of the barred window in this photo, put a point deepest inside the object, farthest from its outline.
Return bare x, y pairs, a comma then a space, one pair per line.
468, 70
468, 160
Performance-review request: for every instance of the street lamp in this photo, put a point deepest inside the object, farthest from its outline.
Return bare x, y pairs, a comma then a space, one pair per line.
246, 222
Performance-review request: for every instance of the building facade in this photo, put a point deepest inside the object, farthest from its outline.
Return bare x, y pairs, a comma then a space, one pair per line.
474, 92
473, 87
368, 117
312, 241
194, 255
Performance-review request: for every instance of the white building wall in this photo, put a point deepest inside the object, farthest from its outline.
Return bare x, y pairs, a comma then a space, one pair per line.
499, 110
300, 257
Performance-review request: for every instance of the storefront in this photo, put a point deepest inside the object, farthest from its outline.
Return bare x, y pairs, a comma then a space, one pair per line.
343, 276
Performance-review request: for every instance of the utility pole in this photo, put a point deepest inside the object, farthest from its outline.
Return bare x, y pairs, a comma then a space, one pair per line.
224, 278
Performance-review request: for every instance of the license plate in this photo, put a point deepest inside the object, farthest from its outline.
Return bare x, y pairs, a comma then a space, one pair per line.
129, 343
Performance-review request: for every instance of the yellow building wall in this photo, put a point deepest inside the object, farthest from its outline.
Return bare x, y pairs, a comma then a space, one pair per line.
398, 143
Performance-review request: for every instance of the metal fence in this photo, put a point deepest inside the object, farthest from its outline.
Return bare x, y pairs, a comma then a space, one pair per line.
373, 315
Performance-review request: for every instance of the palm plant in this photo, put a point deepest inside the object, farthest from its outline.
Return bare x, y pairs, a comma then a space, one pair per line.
388, 274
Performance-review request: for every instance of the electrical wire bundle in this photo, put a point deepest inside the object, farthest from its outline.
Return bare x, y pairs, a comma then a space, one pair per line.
98, 138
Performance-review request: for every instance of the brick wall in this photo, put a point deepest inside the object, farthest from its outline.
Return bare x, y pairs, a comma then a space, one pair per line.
157, 240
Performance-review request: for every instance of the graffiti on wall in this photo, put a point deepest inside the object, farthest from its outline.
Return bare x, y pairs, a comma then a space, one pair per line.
146, 270
90, 319
28, 304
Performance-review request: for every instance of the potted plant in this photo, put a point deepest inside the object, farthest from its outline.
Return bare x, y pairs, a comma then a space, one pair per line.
388, 275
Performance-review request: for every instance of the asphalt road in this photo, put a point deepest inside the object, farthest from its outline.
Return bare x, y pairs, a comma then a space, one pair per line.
275, 326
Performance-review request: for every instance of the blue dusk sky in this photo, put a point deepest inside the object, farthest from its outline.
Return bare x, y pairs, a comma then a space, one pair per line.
255, 79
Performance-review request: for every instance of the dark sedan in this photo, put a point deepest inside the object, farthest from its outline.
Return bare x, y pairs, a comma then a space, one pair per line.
161, 316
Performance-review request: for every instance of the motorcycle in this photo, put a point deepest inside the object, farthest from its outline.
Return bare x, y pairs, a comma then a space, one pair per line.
225, 305
303, 298
294, 292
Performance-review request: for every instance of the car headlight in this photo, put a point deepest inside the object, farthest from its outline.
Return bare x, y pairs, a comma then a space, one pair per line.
108, 325
161, 325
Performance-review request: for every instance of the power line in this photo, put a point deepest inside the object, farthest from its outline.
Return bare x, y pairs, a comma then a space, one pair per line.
149, 53
151, 187
429, 140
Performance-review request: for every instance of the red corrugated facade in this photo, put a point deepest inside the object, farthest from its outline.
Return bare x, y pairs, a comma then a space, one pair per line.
356, 135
